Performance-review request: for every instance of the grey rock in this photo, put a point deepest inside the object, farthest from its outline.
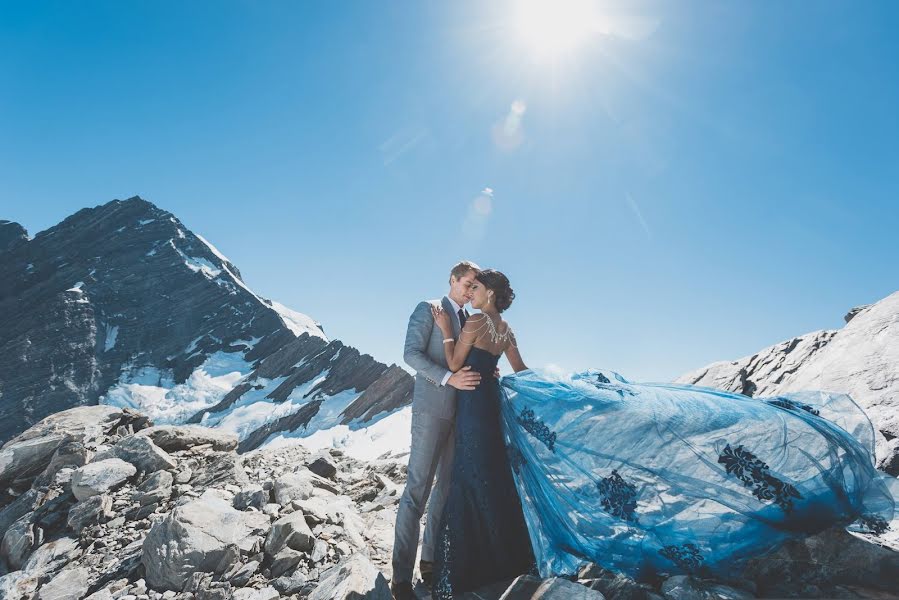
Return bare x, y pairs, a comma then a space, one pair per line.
284, 561
141, 452
94, 509
155, 488
17, 543
527, 587
240, 575
319, 551
292, 486
195, 536
288, 586
615, 585
322, 467
68, 584
290, 531
251, 496
355, 578
99, 477
52, 556
11, 235
29, 453
833, 557
684, 587
172, 438
18, 585
266, 593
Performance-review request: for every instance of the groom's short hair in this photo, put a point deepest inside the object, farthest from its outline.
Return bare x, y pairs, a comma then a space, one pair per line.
462, 268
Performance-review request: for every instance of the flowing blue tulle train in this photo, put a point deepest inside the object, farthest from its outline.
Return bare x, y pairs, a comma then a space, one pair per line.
650, 479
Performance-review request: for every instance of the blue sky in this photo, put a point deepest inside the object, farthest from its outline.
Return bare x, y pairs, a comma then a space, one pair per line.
691, 183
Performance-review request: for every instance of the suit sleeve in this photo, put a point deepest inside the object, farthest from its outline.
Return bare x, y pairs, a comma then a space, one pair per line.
418, 334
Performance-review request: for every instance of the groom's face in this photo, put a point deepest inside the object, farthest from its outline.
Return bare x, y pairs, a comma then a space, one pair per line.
460, 289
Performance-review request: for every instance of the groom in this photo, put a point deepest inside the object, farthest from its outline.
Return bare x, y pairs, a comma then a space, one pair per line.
433, 415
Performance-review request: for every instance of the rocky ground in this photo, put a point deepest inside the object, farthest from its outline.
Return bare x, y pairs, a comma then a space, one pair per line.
98, 503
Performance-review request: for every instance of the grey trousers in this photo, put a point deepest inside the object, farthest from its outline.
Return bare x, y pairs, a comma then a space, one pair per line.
430, 454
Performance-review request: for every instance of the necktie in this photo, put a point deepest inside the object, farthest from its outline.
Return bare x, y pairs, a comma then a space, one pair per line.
461, 318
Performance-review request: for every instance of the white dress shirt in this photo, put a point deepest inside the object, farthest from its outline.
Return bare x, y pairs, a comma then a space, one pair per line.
456, 309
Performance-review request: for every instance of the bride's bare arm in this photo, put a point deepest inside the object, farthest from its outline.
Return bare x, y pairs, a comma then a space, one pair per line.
456, 353
514, 355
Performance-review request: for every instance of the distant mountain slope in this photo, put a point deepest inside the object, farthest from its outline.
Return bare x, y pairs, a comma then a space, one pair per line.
123, 304
861, 359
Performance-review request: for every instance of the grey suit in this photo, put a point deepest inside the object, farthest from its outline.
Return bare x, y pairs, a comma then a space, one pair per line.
431, 452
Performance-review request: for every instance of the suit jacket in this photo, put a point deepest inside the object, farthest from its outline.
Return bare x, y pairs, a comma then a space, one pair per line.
424, 353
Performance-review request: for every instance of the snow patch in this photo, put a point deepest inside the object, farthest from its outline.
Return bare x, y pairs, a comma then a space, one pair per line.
389, 436
111, 335
212, 248
143, 222
198, 265
154, 392
297, 322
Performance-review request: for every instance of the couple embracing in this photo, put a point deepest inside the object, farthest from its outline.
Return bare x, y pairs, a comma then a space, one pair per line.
543, 472
475, 531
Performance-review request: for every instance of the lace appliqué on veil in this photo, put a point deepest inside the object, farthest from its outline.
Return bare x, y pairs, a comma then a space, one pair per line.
618, 497
537, 428
754, 474
685, 556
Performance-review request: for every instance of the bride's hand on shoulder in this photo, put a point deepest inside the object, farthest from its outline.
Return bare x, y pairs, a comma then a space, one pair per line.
442, 318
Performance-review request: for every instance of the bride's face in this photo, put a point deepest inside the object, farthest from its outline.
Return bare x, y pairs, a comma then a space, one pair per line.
478, 295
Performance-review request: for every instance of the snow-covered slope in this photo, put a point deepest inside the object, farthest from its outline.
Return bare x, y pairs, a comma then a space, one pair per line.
861, 359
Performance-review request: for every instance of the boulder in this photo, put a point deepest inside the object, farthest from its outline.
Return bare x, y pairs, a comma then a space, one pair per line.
251, 496
141, 452
99, 477
527, 587
52, 556
323, 467
17, 543
28, 454
290, 531
18, 585
284, 561
292, 486
156, 488
172, 438
684, 587
614, 585
87, 512
355, 578
197, 536
68, 584
266, 593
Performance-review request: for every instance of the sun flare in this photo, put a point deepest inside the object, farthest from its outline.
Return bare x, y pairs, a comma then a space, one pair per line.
553, 28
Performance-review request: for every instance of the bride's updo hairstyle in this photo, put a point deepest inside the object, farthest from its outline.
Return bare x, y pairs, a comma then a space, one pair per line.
499, 285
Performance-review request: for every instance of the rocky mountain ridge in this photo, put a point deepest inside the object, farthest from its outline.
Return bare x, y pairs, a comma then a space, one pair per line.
122, 304
860, 359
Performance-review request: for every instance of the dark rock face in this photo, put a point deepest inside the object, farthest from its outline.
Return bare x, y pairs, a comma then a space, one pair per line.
11, 235
123, 287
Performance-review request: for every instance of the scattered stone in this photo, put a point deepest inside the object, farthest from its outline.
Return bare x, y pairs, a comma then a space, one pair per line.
684, 587
195, 536
323, 467
156, 488
99, 477
90, 511
288, 586
141, 452
172, 438
251, 496
354, 578
290, 531
240, 575
17, 543
292, 487
68, 584
285, 560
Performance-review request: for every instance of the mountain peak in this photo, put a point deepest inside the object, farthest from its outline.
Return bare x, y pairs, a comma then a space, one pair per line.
11, 234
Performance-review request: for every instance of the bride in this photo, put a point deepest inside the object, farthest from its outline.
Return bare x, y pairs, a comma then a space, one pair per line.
647, 479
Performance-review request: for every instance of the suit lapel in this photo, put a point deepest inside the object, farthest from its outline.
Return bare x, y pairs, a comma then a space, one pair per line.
448, 307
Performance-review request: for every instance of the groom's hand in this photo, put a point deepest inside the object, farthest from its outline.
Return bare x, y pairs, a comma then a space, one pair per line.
466, 379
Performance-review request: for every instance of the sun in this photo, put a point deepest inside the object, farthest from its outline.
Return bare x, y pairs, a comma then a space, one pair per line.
551, 29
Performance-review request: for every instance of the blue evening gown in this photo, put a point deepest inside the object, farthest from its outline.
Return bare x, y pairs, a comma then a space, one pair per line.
483, 536
653, 479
